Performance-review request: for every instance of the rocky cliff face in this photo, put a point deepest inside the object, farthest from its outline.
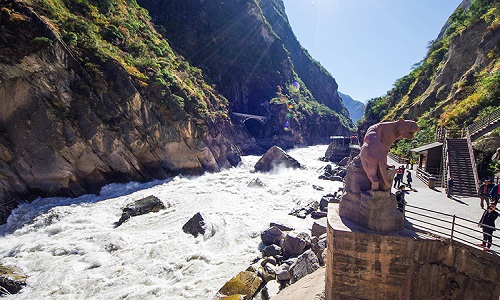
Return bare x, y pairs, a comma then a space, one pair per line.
458, 81
65, 131
91, 92
249, 50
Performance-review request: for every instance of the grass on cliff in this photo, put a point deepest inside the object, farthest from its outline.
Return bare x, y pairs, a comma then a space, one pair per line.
100, 30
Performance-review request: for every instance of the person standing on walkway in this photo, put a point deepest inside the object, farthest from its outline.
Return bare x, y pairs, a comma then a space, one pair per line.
408, 179
488, 219
495, 193
449, 187
484, 193
399, 177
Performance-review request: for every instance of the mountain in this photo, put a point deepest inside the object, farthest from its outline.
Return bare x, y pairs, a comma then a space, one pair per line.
94, 92
356, 108
457, 83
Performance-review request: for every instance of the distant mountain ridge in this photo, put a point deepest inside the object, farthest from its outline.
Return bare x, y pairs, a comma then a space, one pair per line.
356, 108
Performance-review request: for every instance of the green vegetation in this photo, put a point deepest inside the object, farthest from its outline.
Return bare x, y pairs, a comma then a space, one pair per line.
459, 104
120, 30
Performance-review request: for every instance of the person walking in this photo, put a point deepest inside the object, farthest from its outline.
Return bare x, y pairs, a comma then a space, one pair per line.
408, 179
495, 193
487, 222
449, 187
484, 193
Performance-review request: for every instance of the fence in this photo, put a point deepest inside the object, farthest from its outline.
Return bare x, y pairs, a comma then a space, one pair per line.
424, 176
447, 225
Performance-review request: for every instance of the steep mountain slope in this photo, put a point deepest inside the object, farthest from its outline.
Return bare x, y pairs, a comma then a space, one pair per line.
99, 105
92, 93
458, 81
355, 108
248, 50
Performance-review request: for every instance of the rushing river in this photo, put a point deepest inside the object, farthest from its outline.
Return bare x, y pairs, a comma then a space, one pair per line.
70, 248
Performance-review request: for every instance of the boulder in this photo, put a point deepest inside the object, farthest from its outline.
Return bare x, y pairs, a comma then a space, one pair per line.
271, 236
271, 250
140, 207
318, 247
245, 283
283, 272
318, 227
275, 157
303, 211
282, 227
293, 245
12, 280
318, 214
305, 264
195, 226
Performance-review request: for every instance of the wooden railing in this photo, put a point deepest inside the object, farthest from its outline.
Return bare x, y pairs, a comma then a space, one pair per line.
398, 159
424, 175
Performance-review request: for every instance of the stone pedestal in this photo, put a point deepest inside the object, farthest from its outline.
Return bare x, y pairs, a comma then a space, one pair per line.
374, 210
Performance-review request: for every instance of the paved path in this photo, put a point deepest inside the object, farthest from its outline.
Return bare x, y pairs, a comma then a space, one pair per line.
435, 199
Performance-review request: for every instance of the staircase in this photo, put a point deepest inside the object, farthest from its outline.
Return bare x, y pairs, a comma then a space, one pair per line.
460, 166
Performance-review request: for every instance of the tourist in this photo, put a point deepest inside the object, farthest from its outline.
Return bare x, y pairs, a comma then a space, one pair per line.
399, 177
408, 179
449, 187
487, 222
400, 198
484, 193
495, 193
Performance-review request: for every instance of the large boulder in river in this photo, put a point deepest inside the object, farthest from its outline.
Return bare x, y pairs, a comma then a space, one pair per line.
275, 157
141, 207
272, 235
12, 279
246, 283
196, 225
305, 264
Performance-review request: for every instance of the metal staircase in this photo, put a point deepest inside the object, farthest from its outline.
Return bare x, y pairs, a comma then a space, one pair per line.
458, 155
460, 166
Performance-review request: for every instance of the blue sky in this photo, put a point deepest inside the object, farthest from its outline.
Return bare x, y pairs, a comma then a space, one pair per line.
367, 44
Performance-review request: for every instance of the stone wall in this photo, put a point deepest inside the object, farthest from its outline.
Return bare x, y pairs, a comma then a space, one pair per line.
404, 265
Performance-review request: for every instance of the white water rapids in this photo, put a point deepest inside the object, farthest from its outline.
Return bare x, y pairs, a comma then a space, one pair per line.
70, 248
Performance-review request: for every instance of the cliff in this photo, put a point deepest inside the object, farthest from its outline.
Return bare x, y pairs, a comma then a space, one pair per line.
457, 83
71, 122
92, 93
247, 48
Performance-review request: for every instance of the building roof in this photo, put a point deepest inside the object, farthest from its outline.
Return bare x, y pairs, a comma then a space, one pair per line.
427, 147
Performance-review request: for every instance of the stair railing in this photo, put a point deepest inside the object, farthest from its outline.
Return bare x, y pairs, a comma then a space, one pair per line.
484, 122
472, 159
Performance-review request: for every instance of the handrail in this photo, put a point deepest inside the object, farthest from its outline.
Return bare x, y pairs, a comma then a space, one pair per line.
484, 122
447, 225
473, 160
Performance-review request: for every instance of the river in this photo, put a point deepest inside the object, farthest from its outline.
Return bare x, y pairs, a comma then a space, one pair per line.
70, 248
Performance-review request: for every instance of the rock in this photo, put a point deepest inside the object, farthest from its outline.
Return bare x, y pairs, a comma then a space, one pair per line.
140, 207
245, 283
282, 227
318, 247
12, 280
293, 245
318, 214
318, 227
271, 250
275, 157
344, 161
196, 225
233, 158
256, 182
317, 187
323, 203
303, 211
271, 236
283, 272
306, 264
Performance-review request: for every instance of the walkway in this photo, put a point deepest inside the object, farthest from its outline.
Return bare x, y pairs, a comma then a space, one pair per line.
435, 199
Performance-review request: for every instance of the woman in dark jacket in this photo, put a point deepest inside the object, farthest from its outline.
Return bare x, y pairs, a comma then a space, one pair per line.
488, 218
